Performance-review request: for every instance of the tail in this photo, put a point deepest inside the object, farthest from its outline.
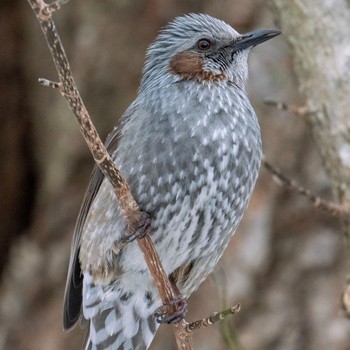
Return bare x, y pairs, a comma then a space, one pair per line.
120, 316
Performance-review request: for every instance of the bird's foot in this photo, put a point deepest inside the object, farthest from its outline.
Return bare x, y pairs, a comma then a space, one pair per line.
166, 313
142, 229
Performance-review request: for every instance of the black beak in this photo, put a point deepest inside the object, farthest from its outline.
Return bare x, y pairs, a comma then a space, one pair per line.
251, 39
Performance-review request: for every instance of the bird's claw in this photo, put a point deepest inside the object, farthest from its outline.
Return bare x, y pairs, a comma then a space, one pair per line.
165, 313
142, 229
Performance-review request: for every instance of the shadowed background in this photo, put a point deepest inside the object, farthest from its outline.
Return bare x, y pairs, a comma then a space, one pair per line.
285, 264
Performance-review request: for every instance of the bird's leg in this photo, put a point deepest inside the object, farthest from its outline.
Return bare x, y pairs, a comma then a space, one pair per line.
166, 313
142, 229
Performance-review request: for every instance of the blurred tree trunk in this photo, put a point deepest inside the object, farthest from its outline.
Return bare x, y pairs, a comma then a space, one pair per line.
17, 185
318, 33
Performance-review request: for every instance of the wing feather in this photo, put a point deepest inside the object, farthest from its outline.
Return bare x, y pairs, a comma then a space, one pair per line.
72, 306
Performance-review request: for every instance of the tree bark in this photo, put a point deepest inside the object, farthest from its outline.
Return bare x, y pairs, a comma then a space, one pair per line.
317, 33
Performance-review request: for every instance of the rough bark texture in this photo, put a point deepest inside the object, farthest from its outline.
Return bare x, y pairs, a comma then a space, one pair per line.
318, 33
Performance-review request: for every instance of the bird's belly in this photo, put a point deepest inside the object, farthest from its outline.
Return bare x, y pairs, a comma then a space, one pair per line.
193, 229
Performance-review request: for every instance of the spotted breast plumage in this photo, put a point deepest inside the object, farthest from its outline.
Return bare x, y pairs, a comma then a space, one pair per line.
189, 147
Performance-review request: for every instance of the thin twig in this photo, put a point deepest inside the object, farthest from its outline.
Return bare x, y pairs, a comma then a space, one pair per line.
49, 83
213, 318
127, 203
299, 111
332, 208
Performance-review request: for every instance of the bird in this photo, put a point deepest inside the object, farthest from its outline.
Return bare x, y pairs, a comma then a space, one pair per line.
189, 146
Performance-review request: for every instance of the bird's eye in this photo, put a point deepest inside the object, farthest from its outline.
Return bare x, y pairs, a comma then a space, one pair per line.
204, 44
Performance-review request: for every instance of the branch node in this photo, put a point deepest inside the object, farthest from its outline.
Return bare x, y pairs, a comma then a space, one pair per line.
49, 9
49, 83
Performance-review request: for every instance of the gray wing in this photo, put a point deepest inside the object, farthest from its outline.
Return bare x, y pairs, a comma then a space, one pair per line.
73, 292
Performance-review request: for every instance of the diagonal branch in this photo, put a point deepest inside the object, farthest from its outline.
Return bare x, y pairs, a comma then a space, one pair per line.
332, 208
127, 203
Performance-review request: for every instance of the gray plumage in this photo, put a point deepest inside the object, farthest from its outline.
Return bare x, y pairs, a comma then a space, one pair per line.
189, 146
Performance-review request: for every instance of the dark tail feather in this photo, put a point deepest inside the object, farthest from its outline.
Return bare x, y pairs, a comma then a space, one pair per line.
73, 295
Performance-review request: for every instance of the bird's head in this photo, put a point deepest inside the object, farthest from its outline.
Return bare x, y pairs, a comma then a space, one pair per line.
201, 48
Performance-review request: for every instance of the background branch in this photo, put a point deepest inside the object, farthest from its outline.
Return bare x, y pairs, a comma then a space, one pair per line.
327, 206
